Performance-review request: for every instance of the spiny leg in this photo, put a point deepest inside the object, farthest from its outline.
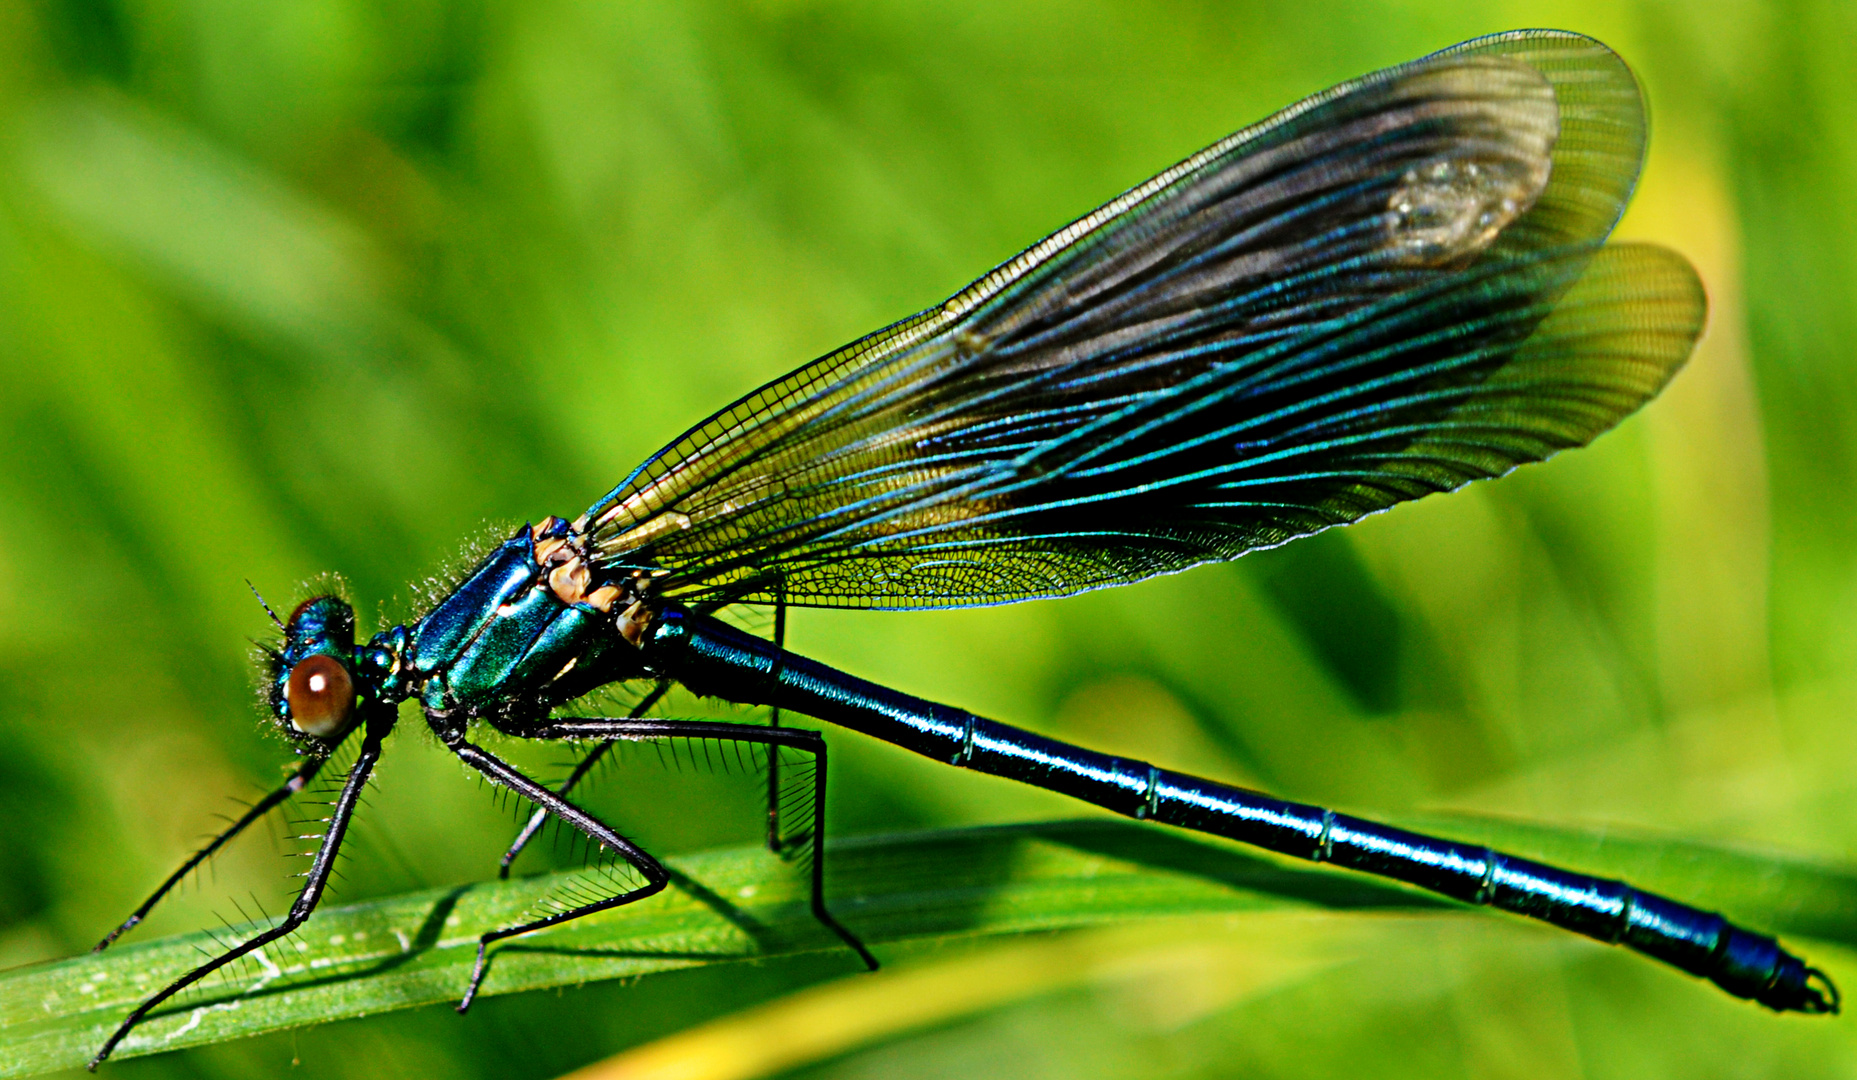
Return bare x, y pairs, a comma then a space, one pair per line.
315, 880
810, 742
305, 772
774, 842
500, 772
773, 721
580, 772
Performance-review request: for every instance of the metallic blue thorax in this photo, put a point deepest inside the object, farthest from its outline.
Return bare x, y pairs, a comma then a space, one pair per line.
524, 632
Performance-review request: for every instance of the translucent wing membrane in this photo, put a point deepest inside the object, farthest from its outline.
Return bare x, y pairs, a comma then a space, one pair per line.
1390, 289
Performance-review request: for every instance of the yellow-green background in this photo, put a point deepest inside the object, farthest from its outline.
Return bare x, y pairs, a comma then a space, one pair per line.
321, 285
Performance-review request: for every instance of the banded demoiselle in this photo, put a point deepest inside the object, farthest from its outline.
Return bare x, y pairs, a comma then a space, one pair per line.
1390, 289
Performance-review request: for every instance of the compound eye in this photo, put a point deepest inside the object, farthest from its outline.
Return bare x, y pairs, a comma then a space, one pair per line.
321, 696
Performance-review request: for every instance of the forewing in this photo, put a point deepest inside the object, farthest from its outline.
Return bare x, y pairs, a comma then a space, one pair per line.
1338, 309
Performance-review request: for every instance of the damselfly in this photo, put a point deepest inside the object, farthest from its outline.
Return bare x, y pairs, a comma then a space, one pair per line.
1389, 289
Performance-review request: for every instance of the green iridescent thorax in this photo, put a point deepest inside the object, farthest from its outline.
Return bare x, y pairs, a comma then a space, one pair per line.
529, 628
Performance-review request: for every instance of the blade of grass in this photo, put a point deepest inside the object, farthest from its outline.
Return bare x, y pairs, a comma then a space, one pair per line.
1253, 955
733, 905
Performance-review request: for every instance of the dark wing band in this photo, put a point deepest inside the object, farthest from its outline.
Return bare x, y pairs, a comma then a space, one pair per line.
1392, 288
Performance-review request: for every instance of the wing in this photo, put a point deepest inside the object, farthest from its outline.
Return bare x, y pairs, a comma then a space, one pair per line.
1389, 289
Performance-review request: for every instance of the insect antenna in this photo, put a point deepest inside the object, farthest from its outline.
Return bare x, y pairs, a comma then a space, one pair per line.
262, 604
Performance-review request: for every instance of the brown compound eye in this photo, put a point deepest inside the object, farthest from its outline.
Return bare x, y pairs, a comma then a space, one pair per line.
321, 696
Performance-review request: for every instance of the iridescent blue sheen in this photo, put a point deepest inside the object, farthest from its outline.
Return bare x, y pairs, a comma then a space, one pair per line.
713, 658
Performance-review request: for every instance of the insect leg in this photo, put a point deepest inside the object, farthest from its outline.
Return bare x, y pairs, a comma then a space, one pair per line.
500, 772
580, 772
314, 882
305, 772
810, 742
773, 756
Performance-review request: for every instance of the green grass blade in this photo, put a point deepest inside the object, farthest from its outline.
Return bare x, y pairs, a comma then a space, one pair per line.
740, 904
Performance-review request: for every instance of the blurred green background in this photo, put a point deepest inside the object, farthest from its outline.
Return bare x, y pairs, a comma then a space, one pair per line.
336, 285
